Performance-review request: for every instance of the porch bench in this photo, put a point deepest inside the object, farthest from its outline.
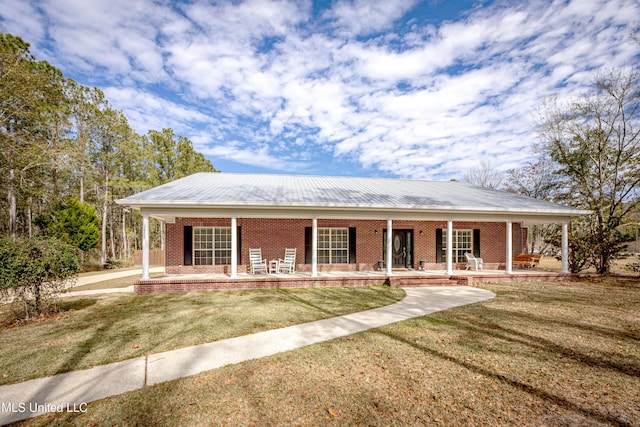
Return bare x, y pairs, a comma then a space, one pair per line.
526, 260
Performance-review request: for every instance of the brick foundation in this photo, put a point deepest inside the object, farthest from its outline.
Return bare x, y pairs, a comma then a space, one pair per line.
176, 284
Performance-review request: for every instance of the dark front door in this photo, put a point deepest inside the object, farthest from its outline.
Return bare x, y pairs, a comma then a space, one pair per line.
401, 248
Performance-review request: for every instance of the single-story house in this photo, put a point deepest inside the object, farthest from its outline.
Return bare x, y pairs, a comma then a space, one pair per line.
339, 223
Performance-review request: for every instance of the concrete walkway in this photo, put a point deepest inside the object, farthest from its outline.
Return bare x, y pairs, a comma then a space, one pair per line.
104, 276
87, 279
73, 390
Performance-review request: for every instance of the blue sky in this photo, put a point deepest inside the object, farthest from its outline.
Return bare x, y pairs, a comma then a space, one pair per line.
397, 88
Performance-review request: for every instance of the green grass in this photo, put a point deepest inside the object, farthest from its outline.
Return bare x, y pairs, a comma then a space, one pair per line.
93, 331
552, 354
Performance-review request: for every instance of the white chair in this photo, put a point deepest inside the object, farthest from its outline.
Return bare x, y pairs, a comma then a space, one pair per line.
257, 263
474, 262
288, 264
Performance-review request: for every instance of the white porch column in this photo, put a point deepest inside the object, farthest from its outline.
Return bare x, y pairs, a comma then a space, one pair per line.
145, 246
234, 247
314, 247
389, 248
565, 247
509, 254
449, 247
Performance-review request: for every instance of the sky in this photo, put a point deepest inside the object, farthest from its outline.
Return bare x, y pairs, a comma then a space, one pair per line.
402, 88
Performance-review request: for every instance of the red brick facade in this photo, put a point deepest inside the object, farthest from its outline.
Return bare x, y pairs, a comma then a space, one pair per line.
274, 235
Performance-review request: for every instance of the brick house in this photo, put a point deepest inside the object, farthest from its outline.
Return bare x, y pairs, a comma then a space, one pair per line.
339, 223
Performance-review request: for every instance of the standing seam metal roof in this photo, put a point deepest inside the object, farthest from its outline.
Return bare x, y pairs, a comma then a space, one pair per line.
232, 189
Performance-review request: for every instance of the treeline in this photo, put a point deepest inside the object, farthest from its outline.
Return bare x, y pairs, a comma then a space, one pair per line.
60, 140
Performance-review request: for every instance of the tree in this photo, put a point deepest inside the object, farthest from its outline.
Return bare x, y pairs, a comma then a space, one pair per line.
60, 139
30, 93
484, 175
174, 157
74, 222
535, 179
34, 270
112, 131
595, 144
85, 106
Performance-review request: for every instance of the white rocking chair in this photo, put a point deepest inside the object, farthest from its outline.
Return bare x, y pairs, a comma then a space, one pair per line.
257, 263
474, 262
288, 264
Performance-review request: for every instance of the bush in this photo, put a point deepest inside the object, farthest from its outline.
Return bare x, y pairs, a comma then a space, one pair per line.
74, 222
113, 264
34, 270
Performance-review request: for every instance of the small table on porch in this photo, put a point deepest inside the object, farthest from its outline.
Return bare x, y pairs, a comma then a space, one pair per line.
273, 266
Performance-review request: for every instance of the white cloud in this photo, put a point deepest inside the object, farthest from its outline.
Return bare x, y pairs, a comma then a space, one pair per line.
274, 83
18, 13
363, 17
147, 111
259, 156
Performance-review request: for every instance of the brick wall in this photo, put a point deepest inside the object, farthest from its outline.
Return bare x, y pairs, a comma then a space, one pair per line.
274, 235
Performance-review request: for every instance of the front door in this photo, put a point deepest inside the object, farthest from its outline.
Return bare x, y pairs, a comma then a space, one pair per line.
401, 248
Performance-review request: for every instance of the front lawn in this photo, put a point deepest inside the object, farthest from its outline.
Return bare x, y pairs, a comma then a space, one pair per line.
552, 354
93, 331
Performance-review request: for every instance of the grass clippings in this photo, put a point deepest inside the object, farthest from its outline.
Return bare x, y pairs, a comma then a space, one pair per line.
97, 330
553, 354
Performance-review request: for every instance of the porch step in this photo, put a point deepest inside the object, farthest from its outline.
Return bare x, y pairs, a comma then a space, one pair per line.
416, 281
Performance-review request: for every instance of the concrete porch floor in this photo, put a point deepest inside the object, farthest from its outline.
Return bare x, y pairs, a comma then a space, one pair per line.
206, 282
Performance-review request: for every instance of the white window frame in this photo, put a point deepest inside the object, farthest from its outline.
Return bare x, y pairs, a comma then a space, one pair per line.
335, 249
215, 248
459, 247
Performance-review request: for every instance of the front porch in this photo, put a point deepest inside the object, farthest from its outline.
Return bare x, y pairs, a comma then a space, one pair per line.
399, 278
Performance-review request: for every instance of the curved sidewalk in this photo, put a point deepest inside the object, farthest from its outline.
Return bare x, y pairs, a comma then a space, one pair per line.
73, 390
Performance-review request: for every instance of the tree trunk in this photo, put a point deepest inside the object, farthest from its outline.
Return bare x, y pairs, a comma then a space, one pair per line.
82, 184
105, 206
11, 196
135, 233
125, 244
29, 217
112, 236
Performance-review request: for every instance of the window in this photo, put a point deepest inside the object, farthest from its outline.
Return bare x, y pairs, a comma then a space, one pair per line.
462, 244
211, 245
333, 245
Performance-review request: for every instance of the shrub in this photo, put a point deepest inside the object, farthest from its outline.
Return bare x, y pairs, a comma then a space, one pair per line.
74, 222
34, 270
113, 264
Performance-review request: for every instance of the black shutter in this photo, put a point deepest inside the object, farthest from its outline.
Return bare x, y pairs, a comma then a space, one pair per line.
352, 245
438, 244
239, 241
476, 242
308, 245
188, 245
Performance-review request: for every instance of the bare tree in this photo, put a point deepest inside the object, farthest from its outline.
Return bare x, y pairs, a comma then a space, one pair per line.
484, 175
536, 179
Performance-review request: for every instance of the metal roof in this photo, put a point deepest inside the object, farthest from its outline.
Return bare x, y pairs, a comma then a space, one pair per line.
246, 191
